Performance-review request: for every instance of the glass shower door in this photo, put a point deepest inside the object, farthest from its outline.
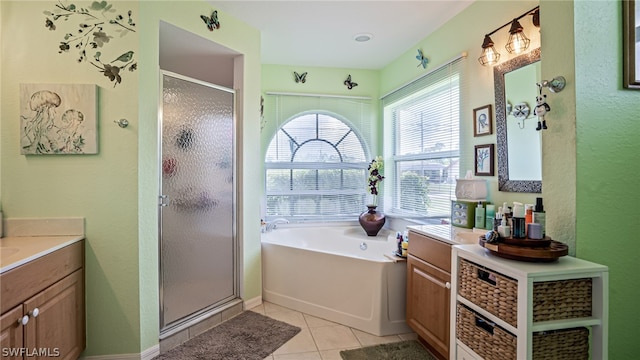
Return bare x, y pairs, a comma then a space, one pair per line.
198, 251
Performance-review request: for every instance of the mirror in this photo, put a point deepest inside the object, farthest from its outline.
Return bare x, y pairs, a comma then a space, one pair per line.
631, 35
519, 145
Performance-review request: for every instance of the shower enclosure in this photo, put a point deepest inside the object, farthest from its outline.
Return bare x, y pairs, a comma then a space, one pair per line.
198, 246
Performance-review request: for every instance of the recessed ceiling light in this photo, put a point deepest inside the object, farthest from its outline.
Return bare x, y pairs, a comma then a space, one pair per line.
364, 37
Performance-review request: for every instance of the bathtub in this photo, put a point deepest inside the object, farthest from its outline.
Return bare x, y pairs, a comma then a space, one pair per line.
324, 272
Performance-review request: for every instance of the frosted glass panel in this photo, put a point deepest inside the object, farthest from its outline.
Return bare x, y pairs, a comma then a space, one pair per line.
197, 252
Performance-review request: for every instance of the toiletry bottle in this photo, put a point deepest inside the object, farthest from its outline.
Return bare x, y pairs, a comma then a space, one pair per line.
528, 217
498, 219
539, 216
479, 216
518, 221
399, 241
490, 214
504, 230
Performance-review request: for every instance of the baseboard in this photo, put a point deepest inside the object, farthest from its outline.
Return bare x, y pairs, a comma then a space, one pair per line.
148, 354
251, 303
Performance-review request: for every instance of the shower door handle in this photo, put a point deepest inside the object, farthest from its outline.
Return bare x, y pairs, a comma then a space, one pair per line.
164, 200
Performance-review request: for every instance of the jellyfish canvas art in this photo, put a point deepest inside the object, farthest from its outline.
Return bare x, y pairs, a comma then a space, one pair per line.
58, 119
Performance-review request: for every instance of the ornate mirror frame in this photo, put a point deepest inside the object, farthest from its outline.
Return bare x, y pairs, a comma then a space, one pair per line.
631, 77
504, 184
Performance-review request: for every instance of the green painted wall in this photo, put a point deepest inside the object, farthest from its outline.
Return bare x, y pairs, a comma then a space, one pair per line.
607, 124
464, 34
319, 80
589, 159
101, 188
243, 39
116, 190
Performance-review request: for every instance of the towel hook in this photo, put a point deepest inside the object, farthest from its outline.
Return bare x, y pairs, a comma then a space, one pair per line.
555, 85
123, 123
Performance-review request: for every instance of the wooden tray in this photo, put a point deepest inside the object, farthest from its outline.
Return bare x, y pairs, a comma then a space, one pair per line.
528, 242
549, 253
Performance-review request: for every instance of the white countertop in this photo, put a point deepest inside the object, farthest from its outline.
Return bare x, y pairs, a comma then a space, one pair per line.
449, 234
18, 250
564, 264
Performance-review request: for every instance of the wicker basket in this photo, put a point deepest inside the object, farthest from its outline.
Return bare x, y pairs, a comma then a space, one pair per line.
486, 339
492, 291
492, 342
564, 299
568, 344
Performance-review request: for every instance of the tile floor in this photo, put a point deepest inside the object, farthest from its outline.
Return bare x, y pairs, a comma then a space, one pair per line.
319, 339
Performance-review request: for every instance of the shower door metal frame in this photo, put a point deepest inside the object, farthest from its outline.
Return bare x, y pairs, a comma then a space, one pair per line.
186, 322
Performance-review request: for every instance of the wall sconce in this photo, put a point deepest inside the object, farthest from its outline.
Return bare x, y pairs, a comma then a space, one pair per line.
489, 54
518, 41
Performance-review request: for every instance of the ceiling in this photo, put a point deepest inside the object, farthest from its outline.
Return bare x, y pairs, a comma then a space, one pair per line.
321, 33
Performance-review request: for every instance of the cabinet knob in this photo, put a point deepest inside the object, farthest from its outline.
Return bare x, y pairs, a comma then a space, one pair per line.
23, 320
447, 285
35, 312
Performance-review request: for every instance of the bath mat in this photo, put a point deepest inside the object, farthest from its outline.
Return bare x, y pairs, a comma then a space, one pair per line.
247, 336
404, 350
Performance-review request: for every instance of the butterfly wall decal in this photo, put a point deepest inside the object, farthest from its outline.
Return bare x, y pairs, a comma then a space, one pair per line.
301, 78
423, 60
350, 84
211, 21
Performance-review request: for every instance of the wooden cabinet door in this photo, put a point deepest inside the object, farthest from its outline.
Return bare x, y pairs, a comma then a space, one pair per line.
58, 328
428, 295
11, 334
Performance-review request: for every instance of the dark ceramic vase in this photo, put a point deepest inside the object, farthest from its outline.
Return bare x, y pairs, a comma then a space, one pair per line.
371, 220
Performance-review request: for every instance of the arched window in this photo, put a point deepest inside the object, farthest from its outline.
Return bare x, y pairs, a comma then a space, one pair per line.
315, 169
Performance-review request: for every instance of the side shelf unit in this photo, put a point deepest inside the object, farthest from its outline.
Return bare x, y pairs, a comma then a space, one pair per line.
508, 309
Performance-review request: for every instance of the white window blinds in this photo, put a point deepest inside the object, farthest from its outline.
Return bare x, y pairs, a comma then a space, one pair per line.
315, 165
423, 123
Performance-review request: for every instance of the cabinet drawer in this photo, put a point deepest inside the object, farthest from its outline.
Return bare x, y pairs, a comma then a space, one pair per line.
490, 290
27, 280
430, 250
484, 337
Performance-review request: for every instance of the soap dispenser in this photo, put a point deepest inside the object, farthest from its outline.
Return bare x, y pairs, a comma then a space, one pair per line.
539, 215
504, 230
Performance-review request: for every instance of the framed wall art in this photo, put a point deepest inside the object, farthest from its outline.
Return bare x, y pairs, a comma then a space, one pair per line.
631, 46
58, 119
482, 121
484, 159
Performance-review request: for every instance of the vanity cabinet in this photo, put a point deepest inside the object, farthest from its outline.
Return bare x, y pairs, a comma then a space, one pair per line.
507, 309
42, 307
428, 291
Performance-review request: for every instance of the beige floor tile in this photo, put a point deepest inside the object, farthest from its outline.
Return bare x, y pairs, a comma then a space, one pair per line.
409, 336
333, 354
314, 355
259, 309
270, 308
334, 337
367, 339
314, 321
270, 357
291, 317
301, 343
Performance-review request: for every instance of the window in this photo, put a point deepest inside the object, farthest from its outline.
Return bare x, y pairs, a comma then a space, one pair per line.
315, 169
423, 151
